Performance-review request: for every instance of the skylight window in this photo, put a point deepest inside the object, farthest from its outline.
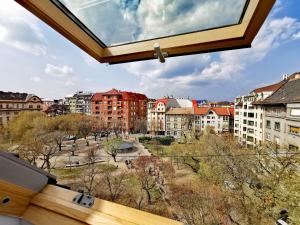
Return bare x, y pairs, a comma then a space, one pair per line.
118, 31
116, 22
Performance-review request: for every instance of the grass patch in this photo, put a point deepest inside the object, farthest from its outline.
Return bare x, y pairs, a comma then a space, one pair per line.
75, 172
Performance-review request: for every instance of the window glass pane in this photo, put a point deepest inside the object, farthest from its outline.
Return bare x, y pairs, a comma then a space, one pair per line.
117, 22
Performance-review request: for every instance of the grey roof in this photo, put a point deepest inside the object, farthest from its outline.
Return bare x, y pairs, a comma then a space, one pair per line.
13, 96
288, 93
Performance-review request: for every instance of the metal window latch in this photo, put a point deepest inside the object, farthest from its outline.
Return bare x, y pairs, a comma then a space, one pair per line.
86, 201
159, 54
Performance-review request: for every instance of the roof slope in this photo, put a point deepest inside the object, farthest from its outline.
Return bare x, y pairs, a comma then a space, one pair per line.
270, 88
288, 93
220, 111
13, 96
180, 111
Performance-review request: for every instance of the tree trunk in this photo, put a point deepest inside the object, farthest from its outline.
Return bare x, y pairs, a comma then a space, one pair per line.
114, 157
60, 147
148, 197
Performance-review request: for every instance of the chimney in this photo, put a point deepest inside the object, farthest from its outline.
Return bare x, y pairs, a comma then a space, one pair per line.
285, 76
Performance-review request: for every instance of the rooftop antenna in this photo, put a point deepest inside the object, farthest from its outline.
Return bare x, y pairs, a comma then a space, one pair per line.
159, 54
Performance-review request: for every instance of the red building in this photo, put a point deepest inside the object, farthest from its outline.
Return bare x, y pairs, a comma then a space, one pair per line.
119, 108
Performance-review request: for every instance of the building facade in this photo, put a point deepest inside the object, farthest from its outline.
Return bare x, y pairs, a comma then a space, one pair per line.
83, 102
119, 108
217, 118
80, 102
282, 115
156, 120
12, 104
179, 121
56, 108
249, 116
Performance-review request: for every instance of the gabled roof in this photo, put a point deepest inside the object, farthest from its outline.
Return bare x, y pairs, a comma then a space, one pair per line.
270, 88
113, 92
220, 111
162, 100
180, 111
276, 86
15, 96
201, 110
125, 95
288, 93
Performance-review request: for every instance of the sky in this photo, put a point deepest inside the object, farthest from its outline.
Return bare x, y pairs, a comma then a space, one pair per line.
36, 59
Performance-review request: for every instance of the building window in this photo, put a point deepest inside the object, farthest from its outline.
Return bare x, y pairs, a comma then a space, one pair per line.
251, 123
293, 148
268, 136
268, 124
250, 139
294, 130
277, 126
250, 131
295, 112
251, 115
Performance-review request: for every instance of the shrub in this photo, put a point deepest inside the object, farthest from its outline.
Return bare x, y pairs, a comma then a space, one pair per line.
144, 139
165, 140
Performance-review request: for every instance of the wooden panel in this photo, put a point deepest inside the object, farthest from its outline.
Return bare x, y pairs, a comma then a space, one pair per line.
69, 209
103, 212
40, 216
19, 198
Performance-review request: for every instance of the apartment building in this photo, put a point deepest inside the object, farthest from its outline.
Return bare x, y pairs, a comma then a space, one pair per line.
179, 121
119, 108
216, 117
11, 104
249, 116
156, 121
56, 108
80, 102
282, 114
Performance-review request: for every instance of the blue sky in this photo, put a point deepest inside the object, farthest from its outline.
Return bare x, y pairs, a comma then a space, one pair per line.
36, 59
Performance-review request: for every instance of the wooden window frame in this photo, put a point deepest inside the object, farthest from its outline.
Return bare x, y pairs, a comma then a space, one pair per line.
224, 38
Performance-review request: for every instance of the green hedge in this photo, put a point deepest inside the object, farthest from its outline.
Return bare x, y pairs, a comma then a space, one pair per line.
162, 140
165, 140
144, 139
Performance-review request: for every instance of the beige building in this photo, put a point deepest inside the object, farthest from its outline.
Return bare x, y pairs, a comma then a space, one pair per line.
11, 104
179, 121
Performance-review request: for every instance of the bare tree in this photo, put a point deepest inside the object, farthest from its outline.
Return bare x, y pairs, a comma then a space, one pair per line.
112, 147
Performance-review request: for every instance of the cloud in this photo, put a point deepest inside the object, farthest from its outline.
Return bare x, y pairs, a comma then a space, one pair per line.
190, 71
120, 21
36, 79
64, 74
296, 36
18, 29
59, 72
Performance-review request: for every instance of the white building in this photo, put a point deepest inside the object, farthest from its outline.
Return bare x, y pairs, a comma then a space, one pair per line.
249, 116
216, 117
